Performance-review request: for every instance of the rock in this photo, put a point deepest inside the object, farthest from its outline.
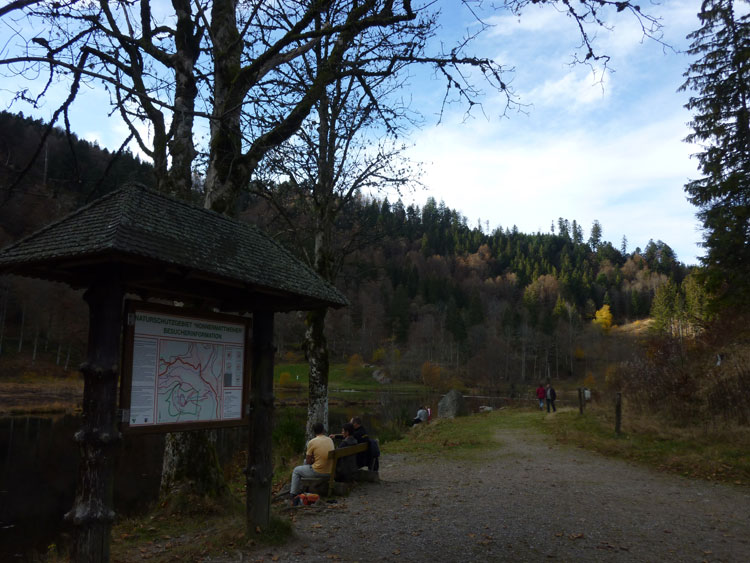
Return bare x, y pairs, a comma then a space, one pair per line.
485, 408
452, 405
380, 376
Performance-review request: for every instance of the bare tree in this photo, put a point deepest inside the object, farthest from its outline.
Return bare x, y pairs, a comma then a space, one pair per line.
347, 145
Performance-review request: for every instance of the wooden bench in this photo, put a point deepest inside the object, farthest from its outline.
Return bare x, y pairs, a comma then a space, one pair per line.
334, 455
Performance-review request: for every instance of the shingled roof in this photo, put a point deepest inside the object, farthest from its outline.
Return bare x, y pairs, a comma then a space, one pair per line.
170, 249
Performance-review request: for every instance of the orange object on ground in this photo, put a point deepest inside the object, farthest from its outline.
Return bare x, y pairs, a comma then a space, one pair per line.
305, 499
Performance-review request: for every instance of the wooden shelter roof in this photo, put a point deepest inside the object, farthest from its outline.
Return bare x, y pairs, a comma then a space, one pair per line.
165, 248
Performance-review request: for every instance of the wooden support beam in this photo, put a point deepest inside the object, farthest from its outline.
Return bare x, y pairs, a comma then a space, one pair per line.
92, 513
259, 470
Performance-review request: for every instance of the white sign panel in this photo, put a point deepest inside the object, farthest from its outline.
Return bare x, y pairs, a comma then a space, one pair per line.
185, 370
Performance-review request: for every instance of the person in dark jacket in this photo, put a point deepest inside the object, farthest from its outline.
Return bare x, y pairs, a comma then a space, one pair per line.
550, 395
346, 466
360, 434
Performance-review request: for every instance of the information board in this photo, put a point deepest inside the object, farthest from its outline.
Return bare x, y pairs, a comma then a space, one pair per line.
183, 369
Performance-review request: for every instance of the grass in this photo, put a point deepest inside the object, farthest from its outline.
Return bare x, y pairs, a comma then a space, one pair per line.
338, 379
711, 454
715, 455
459, 438
202, 529
164, 538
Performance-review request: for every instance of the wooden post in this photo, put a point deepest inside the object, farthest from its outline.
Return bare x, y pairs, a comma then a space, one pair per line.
259, 470
581, 400
92, 513
618, 412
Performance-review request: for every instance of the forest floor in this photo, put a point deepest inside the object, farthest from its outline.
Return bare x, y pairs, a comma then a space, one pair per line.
523, 498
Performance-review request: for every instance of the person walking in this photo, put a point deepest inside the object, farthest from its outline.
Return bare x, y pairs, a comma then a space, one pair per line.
550, 396
541, 394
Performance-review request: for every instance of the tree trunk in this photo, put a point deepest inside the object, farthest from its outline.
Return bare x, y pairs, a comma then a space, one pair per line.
92, 513
36, 344
2, 319
191, 468
23, 322
224, 176
523, 352
259, 474
316, 350
181, 147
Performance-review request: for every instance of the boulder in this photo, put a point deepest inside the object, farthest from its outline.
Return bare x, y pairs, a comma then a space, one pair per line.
452, 405
381, 377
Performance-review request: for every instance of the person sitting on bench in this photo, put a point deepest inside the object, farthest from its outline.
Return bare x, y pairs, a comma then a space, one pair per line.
317, 463
346, 466
421, 417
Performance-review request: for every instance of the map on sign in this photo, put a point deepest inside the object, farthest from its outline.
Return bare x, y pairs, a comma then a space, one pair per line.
185, 370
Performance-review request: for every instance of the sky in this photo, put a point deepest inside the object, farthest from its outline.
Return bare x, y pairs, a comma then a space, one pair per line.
584, 146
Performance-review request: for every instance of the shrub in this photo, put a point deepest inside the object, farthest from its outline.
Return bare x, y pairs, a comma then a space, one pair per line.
431, 375
378, 355
293, 357
288, 434
589, 380
355, 367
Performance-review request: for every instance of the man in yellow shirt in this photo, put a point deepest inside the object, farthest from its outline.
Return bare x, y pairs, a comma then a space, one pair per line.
317, 463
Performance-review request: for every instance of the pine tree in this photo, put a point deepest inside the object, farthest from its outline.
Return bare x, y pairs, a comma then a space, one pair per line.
596, 235
721, 125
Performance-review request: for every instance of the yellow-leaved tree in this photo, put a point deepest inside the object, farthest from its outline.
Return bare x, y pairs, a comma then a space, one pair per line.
603, 318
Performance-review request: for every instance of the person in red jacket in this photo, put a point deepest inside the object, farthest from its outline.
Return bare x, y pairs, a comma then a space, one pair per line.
540, 394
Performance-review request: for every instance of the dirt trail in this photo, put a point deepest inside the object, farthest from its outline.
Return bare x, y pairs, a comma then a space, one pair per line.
529, 500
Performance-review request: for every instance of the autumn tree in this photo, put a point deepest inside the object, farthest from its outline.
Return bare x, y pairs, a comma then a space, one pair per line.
603, 318
719, 81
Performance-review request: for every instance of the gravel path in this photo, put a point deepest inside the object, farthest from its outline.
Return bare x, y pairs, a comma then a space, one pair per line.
529, 500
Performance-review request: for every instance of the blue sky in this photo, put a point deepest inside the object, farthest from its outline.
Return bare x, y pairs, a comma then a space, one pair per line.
586, 147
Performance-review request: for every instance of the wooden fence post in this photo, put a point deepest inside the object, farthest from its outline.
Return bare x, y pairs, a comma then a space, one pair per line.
618, 412
581, 400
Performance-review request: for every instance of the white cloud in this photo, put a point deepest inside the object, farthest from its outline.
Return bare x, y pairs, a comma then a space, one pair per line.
533, 19
629, 179
571, 90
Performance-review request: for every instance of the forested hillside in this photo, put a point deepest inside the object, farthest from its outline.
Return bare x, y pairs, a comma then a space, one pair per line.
45, 174
430, 296
434, 298
40, 181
